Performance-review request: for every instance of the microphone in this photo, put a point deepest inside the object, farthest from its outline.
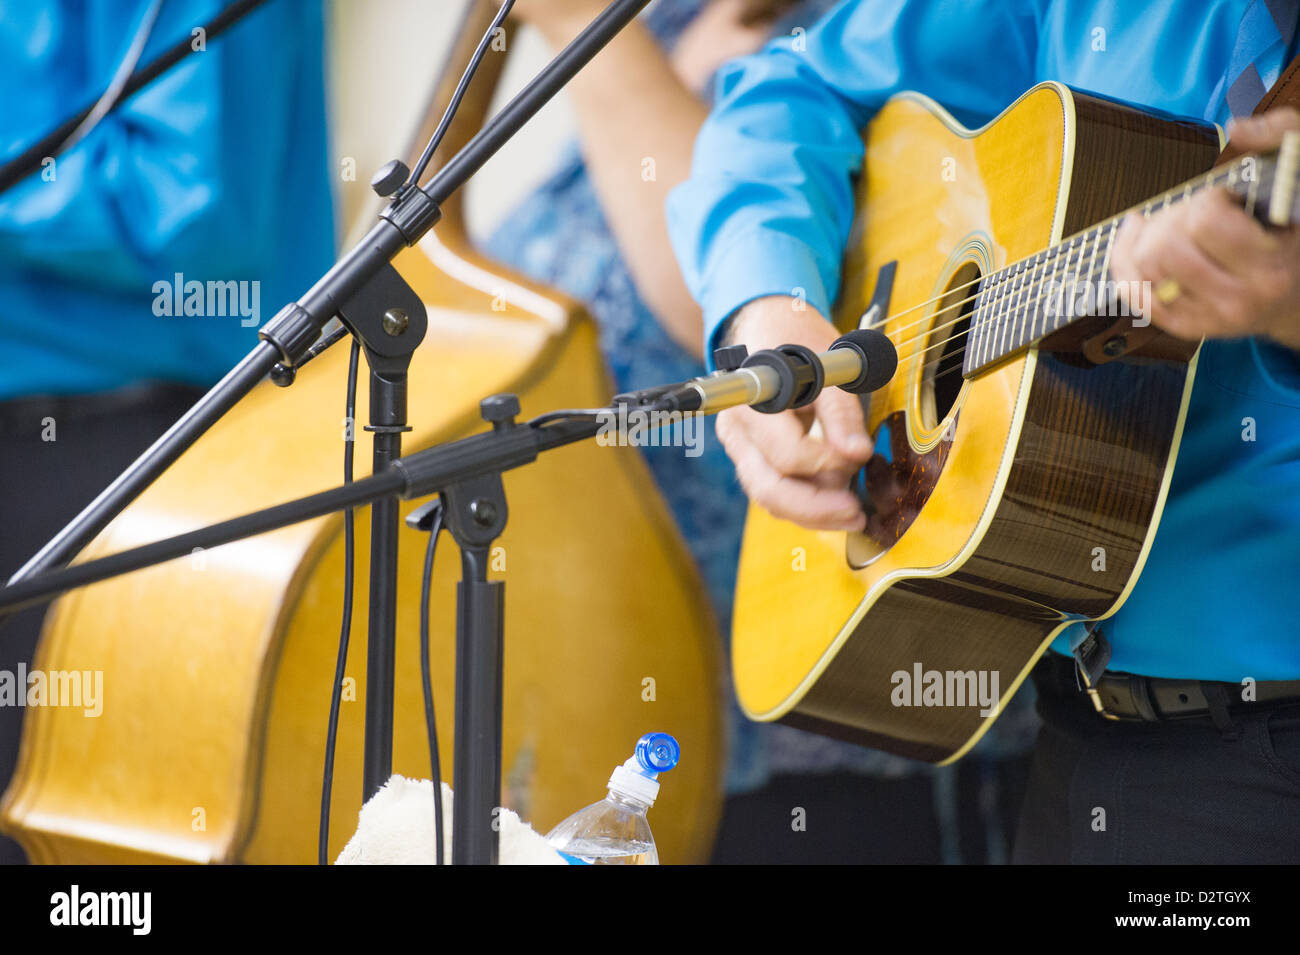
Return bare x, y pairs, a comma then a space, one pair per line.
788, 376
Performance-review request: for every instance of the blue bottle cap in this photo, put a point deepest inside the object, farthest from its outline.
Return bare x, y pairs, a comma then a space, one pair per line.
657, 752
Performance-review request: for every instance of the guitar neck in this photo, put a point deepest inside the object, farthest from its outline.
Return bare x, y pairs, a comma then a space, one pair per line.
1028, 300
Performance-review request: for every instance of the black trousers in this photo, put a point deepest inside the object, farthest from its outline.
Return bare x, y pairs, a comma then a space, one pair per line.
964, 813
44, 483
1173, 792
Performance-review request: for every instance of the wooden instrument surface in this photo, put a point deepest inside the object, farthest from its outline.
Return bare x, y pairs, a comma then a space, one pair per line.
217, 668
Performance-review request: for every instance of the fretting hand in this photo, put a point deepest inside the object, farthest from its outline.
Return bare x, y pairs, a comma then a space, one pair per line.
1213, 271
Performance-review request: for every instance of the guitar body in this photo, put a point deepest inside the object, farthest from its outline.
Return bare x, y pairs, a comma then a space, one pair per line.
1004, 492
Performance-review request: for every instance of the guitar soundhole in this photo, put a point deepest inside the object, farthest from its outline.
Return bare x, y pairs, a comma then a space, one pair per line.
947, 372
946, 347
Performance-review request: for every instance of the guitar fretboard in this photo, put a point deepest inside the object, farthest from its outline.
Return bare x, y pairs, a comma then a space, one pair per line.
1030, 299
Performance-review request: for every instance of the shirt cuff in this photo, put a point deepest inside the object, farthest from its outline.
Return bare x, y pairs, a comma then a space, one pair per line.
757, 264
1279, 365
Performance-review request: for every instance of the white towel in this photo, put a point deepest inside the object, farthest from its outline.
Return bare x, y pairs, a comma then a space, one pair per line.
395, 827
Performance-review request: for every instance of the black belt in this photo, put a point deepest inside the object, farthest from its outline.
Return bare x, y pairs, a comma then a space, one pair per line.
1129, 696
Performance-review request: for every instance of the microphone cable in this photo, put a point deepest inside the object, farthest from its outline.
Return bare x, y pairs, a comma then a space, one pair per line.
426, 679
458, 95
345, 629
327, 784
127, 83
113, 95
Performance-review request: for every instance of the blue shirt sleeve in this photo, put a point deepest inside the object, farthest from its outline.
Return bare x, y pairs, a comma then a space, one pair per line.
769, 203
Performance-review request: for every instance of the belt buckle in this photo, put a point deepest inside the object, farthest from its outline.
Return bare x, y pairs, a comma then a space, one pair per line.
1092, 654
1097, 703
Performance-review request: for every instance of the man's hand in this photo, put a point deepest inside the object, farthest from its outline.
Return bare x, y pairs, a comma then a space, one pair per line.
1231, 278
796, 475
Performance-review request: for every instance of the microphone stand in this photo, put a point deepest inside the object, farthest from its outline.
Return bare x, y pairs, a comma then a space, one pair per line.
377, 306
467, 476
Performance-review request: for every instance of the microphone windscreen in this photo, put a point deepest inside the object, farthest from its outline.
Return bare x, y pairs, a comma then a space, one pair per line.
879, 359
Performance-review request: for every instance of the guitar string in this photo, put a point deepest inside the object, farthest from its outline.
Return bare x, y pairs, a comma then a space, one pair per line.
1009, 290
994, 324
1001, 294
934, 362
960, 367
1209, 180
1085, 280
991, 325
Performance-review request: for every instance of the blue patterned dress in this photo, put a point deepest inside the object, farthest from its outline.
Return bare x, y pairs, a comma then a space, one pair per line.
559, 236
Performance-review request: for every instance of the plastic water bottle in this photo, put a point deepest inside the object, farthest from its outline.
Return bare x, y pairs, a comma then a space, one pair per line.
614, 831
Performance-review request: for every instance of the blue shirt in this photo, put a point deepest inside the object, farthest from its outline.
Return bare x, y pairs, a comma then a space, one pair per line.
768, 207
217, 172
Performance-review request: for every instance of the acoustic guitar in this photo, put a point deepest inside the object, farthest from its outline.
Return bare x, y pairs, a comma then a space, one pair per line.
1027, 439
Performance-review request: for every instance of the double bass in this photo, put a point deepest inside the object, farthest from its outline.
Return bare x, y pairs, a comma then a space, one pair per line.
217, 668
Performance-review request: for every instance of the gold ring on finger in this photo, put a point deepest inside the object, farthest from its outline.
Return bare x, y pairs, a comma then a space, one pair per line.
1168, 291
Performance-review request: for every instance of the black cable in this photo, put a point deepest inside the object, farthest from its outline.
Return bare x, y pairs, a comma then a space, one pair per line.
459, 94
566, 414
430, 720
49, 145
113, 94
345, 629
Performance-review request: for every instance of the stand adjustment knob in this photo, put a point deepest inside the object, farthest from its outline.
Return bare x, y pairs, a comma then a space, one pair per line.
729, 357
390, 178
499, 410
282, 375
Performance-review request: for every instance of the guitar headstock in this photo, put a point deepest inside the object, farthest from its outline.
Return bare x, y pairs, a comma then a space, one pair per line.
1268, 183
